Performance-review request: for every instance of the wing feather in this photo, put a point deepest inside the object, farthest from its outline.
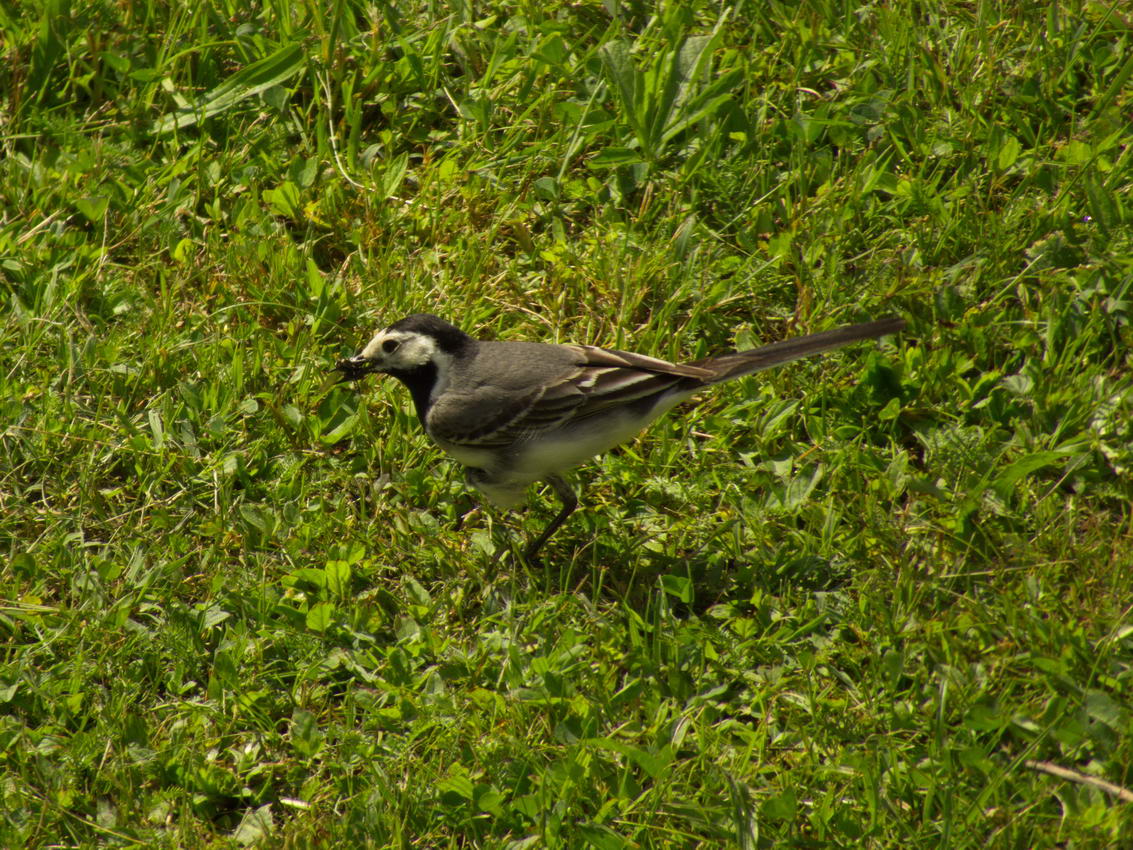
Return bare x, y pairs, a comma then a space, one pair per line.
598, 381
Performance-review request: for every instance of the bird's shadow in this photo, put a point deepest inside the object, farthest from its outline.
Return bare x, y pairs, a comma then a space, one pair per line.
629, 572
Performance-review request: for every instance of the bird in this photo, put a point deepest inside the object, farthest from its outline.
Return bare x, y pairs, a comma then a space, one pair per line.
516, 412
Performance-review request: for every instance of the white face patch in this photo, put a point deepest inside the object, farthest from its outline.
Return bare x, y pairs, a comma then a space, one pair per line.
401, 350
404, 351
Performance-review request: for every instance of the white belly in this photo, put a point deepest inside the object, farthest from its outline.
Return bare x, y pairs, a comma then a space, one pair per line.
505, 476
469, 455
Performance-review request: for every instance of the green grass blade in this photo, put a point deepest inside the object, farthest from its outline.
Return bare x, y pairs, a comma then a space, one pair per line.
629, 89
248, 82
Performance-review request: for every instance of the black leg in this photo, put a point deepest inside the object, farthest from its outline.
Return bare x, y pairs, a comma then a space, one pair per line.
570, 502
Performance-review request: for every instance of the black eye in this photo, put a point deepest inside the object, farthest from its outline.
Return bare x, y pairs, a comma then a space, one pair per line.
390, 346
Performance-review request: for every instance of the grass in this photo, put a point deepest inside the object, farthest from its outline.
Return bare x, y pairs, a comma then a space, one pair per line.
849, 603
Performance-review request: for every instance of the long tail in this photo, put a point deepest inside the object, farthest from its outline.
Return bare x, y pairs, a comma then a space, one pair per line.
728, 366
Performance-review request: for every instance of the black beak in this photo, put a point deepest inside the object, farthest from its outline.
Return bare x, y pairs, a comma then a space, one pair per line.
354, 368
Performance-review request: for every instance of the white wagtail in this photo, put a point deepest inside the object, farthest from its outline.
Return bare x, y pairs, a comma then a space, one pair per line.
519, 412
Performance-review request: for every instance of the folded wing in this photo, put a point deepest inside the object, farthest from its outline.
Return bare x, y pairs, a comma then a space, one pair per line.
599, 381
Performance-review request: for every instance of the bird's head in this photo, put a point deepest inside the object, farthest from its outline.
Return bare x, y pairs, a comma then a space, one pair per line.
405, 347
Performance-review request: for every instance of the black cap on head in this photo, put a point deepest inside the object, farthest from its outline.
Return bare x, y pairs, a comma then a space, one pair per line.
450, 339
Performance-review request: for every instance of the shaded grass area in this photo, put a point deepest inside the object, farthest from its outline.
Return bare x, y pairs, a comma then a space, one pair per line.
840, 604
